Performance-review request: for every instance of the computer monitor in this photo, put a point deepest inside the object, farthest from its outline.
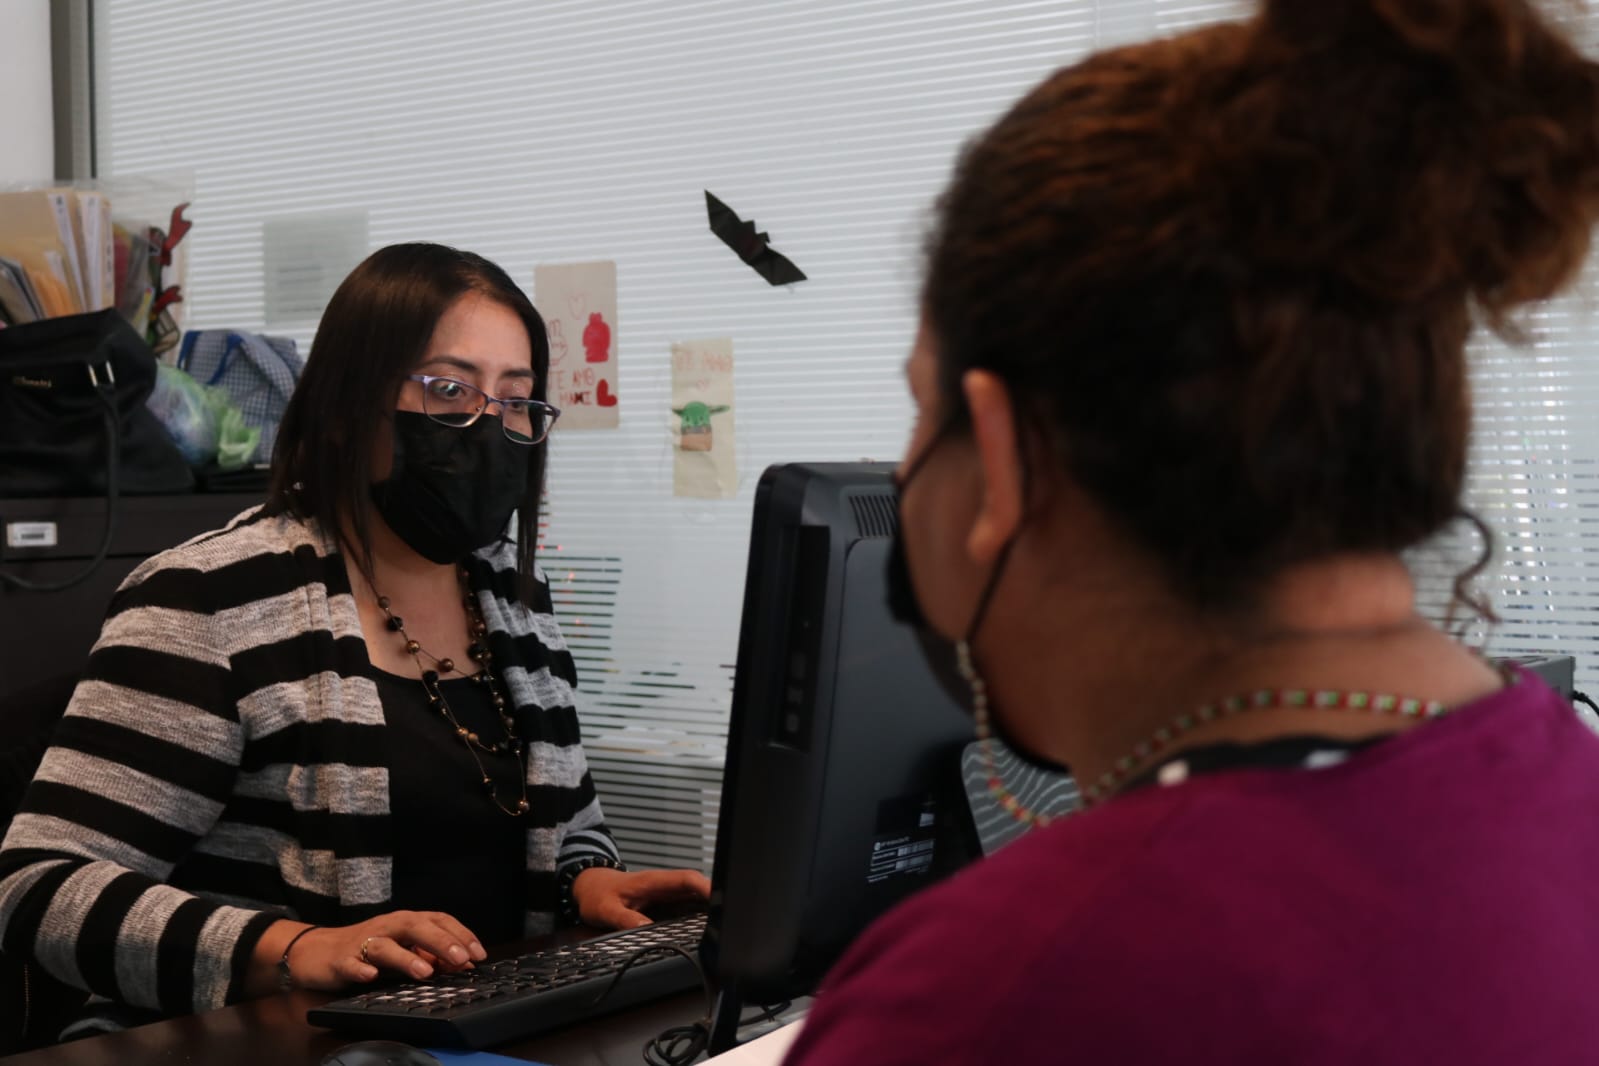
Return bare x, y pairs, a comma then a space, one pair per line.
842, 791
1559, 672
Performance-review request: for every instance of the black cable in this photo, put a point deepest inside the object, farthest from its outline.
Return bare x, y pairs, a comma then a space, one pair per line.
682, 1044
678, 1046
643, 953
766, 1014
1582, 697
113, 490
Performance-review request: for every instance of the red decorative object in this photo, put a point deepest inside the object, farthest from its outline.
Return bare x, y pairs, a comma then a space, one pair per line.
596, 339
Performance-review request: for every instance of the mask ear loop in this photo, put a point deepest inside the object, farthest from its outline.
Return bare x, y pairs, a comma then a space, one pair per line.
963, 650
1004, 556
901, 481
966, 666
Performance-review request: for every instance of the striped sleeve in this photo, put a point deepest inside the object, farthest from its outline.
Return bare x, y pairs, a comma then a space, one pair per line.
139, 770
566, 828
585, 840
585, 843
586, 836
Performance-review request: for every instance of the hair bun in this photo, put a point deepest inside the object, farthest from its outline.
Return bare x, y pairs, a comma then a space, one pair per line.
1495, 119
1475, 32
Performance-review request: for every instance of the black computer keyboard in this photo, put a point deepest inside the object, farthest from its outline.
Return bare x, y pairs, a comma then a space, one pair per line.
518, 997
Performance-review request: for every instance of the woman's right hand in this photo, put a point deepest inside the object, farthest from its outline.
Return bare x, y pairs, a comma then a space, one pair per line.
414, 944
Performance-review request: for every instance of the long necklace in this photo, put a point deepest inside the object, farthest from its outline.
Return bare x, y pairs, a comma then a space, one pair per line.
478, 650
1123, 769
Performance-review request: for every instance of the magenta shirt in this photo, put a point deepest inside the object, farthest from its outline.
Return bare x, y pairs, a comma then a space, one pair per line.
1433, 901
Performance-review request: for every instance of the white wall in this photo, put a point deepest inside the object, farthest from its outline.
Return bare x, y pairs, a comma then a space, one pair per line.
27, 133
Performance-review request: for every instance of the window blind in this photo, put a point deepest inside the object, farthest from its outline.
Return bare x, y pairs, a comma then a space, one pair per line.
564, 131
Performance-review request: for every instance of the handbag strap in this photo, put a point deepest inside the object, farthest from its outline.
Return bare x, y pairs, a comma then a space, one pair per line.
106, 392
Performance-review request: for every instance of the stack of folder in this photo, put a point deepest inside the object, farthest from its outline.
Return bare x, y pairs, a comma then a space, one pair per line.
61, 254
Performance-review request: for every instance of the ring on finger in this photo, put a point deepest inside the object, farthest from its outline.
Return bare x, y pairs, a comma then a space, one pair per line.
364, 944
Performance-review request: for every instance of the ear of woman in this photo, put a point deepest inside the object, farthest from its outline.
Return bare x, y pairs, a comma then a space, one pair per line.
1004, 489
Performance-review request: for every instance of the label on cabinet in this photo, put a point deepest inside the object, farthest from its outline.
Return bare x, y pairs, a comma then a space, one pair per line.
30, 534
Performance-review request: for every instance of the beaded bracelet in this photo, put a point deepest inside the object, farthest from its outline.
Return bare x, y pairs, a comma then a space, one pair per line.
568, 905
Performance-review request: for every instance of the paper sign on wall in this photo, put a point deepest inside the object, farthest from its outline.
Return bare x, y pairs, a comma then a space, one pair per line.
703, 460
578, 302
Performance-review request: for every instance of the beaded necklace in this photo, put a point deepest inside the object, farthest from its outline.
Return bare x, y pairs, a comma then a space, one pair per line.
1123, 769
479, 651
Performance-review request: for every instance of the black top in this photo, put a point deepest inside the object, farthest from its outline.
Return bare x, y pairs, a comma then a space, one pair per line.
1302, 752
455, 850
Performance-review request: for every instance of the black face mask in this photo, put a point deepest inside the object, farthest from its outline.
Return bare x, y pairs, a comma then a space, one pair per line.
451, 490
936, 648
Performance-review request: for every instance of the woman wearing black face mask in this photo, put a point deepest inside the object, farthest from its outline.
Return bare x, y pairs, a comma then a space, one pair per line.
337, 737
1191, 377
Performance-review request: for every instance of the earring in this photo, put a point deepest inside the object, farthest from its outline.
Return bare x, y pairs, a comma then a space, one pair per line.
1007, 800
968, 671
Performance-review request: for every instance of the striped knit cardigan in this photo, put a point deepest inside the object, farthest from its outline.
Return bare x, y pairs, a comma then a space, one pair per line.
220, 767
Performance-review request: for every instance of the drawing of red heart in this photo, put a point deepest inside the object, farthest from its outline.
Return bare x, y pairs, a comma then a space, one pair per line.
603, 396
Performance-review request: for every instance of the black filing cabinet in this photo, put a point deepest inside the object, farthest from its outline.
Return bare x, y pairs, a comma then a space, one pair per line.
47, 635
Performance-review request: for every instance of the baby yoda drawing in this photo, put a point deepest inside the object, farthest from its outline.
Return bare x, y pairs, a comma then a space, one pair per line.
696, 428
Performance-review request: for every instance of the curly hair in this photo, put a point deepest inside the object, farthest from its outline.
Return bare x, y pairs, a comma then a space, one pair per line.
1230, 275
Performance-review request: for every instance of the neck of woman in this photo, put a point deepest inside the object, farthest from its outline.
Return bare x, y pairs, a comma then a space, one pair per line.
398, 571
1085, 678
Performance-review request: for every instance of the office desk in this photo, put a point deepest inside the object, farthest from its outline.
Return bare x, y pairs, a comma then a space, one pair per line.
272, 1032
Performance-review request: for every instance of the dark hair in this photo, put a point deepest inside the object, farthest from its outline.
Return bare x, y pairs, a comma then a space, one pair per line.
375, 331
1229, 276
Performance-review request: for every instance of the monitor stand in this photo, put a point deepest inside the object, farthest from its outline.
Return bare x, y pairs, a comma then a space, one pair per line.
724, 1020
727, 1013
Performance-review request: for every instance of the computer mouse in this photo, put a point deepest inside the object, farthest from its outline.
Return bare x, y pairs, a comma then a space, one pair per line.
380, 1053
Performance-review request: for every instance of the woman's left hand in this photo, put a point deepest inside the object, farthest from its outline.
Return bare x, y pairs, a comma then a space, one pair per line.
615, 899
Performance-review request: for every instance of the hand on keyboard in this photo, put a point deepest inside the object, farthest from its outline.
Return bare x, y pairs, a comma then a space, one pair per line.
515, 997
415, 944
616, 899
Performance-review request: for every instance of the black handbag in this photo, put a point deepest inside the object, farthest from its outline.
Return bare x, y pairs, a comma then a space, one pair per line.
73, 420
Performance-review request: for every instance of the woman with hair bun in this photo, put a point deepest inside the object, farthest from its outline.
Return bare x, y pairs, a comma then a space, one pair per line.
1190, 378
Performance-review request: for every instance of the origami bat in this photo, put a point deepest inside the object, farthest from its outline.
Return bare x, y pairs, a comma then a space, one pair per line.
752, 247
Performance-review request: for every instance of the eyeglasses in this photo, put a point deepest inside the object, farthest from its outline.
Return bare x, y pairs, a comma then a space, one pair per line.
455, 403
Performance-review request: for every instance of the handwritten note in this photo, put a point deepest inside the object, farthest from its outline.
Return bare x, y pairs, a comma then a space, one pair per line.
578, 302
704, 464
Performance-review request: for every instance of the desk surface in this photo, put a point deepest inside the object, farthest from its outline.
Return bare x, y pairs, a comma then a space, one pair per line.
272, 1032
